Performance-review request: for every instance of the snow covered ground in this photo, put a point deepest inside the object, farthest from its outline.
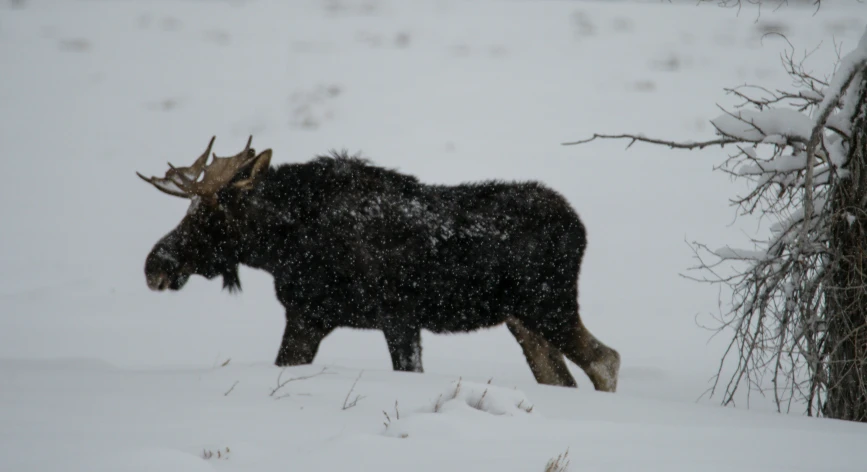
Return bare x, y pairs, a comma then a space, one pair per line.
99, 373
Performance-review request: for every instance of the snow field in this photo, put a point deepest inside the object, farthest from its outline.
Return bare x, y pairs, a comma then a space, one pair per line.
98, 373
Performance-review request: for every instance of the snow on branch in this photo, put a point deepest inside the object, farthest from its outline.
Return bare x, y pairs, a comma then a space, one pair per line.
727, 253
776, 125
850, 65
794, 147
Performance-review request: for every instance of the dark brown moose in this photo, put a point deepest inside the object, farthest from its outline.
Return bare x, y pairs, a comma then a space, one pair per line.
350, 244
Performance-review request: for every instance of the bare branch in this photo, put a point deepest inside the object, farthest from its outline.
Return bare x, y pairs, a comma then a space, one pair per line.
671, 144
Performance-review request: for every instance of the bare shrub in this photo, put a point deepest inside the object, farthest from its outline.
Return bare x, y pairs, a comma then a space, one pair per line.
798, 308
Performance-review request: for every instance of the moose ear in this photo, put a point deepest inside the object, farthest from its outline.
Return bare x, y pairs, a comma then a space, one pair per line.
260, 163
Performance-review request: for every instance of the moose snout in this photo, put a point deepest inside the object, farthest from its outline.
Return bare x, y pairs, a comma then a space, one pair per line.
158, 282
163, 272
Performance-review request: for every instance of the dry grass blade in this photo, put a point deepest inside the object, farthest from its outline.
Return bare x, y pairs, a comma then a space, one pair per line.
231, 388
559, 463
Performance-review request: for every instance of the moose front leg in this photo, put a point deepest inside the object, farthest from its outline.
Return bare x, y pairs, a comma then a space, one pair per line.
300, 342
404, 345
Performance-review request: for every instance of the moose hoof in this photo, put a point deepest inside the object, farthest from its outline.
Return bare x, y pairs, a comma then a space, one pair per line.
288, 361
604, 372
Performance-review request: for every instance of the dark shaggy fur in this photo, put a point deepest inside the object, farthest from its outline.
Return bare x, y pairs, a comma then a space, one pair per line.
354, 245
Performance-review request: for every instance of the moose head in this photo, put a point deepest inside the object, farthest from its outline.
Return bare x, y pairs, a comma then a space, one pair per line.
207, 240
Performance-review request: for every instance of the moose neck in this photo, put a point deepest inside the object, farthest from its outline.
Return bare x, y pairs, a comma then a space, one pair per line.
266, 225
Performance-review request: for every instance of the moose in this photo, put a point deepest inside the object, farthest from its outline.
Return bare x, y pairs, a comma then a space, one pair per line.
351, 244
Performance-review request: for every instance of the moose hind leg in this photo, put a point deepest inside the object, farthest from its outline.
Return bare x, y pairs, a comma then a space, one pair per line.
546, 362
405, 349
300, 343
563, 328
600, 362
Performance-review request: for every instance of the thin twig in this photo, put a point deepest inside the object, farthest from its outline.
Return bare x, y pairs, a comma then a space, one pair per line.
349, 404
293, 379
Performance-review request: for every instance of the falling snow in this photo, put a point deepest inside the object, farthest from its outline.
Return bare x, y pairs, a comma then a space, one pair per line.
100, 374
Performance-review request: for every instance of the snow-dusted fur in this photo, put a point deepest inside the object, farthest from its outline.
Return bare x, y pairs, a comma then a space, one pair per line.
354, 245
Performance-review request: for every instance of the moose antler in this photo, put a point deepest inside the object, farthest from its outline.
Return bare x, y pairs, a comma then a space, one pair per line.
184, 181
